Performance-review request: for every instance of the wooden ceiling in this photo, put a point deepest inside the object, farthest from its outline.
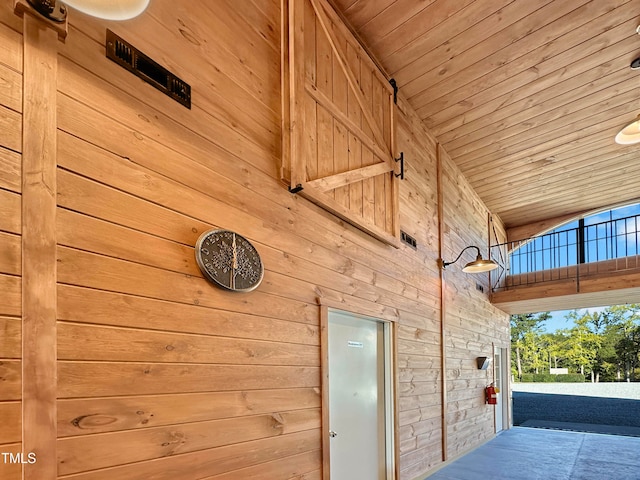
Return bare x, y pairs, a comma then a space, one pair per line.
526, 96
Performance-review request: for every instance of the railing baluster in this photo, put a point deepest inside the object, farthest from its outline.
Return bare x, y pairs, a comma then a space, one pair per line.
544, 257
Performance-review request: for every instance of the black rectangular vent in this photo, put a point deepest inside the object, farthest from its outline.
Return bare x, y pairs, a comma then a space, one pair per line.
409, 240
129, 57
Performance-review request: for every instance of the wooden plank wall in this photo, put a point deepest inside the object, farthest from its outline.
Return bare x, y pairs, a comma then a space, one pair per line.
160, 374
10, 246
473, 328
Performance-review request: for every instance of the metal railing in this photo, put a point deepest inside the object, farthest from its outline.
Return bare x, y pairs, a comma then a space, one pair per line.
608, 246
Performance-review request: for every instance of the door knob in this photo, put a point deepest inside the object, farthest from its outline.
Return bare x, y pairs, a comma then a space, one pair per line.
332, 434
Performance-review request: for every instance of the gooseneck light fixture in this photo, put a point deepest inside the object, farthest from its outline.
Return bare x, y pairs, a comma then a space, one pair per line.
56, 10
630, 134
479, 265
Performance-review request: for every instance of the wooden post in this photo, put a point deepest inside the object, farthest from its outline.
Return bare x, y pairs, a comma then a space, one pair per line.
39, 249
443, 345
296, 92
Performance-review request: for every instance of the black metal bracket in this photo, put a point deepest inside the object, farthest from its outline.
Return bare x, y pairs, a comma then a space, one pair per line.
401, 160
394, 84
296, 189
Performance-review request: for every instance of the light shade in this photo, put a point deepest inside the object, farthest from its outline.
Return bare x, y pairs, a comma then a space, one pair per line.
110, 9
479, 265
629, 134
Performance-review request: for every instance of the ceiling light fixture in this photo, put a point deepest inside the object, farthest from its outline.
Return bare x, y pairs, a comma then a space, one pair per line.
479, 265
630, 134
106, 9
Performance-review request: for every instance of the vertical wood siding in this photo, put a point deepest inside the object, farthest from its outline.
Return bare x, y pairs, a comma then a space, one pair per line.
340, 143
162, 375
10, 245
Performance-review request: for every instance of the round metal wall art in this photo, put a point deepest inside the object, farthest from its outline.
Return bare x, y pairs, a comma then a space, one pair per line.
229, 260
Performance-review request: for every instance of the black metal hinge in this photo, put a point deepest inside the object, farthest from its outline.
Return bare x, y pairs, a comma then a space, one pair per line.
394, 84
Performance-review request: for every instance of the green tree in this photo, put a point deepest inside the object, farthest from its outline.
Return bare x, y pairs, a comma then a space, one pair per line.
628, 350
581, 344
618, 322
525, 331
554, 345
604, 344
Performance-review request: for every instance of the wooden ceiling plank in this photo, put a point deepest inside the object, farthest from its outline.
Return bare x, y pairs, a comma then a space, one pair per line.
575, 128
484, 172
542, 112
580, 61
528, 107
543, 51
580, 194
605, 122
521, 194
525, 194
395, 15
551, 120
526, 35
452, 37
528, 83
543, 210
360, 12
520, 176
430, 28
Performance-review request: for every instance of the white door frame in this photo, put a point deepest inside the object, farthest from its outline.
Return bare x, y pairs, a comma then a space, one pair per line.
391, 416
502, 412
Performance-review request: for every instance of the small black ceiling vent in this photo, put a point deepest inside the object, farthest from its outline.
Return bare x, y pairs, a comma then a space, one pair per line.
129, 57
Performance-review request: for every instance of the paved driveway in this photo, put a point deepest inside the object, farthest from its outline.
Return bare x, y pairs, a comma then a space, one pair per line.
540, 454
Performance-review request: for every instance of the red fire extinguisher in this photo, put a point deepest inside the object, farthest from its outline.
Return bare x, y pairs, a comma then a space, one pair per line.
491, 394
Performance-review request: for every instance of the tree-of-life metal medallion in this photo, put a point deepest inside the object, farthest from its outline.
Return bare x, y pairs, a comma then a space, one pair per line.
229, 260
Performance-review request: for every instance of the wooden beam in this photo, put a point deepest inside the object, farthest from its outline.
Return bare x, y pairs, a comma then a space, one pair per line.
39, 249
296, 69
443, 345
285, 97
20, 7
349, 177
395, 185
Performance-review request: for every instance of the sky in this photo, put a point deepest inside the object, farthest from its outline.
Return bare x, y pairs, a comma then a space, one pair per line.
558, 320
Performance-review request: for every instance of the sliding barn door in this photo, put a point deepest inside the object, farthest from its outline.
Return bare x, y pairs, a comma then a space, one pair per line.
338, 111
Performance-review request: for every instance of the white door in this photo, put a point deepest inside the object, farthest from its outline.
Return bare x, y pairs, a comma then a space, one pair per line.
359, 398
501, 383
497, 365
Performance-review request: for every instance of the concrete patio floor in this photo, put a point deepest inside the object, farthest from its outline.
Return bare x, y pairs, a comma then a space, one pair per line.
539, 454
